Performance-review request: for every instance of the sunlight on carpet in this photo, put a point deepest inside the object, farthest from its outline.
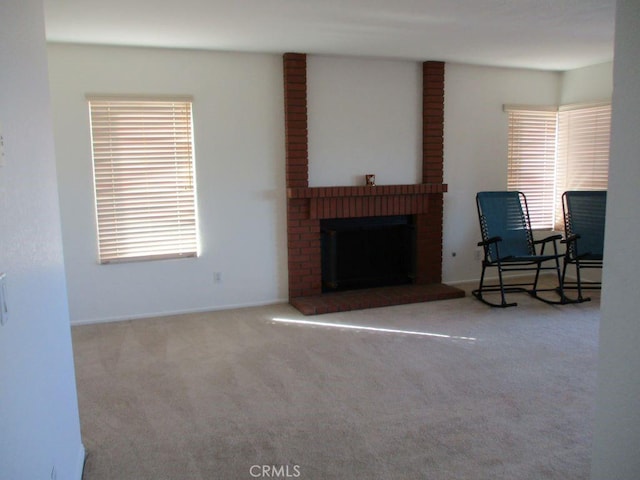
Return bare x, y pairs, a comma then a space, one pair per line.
369, 329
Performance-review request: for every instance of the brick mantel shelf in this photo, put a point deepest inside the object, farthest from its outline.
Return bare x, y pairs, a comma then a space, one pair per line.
367, 201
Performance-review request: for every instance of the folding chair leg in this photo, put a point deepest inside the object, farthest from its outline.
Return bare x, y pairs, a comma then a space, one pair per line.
478, 293
579, 280
560, 289
564, 272
534, 291
535, 280
502, 297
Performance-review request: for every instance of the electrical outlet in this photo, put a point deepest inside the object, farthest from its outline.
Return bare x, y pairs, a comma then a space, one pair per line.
217, 277
477, 255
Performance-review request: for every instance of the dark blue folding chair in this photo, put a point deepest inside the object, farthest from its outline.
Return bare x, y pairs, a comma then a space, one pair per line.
584, 218
507, 240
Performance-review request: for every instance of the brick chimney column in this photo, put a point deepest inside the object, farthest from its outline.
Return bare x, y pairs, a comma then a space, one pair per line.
429, 225
303, 233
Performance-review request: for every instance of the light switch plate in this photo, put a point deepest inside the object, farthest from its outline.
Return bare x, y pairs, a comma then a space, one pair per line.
4, 311
2, 158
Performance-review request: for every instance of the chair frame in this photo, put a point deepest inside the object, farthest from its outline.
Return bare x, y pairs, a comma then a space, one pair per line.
573, 255
532, 262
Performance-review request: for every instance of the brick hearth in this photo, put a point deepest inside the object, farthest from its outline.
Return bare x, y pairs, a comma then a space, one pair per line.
306, 206
374, 298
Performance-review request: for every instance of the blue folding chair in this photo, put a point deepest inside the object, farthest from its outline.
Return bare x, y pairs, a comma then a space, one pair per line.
584, 218
508, 245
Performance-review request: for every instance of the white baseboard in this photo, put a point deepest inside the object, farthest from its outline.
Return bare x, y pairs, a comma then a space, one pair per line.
177, 312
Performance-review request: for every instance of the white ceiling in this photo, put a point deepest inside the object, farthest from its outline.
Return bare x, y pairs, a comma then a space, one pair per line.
540, 34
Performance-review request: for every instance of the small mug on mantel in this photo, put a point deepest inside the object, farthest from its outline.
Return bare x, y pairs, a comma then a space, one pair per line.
370, 180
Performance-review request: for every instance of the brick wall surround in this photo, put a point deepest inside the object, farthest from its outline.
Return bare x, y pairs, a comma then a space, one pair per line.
306, 206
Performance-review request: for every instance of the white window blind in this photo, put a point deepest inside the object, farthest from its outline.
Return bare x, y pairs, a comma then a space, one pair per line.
144, 178
531, 157
583, 151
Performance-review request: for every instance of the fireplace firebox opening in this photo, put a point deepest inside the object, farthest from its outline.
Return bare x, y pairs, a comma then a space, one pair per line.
367, 252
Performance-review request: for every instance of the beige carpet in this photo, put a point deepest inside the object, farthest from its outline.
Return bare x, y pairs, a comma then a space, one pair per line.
446, 390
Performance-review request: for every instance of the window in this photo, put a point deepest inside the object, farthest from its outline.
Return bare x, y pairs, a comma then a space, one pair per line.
531, 159
583, 151
144, 178
553, 150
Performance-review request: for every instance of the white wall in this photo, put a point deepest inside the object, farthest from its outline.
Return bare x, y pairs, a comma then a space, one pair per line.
617, 427
588, 84
364, 116
239, 146
39, 423
475, 148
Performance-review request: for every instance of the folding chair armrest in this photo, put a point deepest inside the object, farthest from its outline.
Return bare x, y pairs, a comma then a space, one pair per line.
550, 238
571, 238
489, 241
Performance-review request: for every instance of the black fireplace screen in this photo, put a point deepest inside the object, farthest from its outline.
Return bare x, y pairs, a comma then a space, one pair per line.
367, 252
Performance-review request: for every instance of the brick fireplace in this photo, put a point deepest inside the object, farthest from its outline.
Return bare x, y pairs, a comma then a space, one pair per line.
307, 206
